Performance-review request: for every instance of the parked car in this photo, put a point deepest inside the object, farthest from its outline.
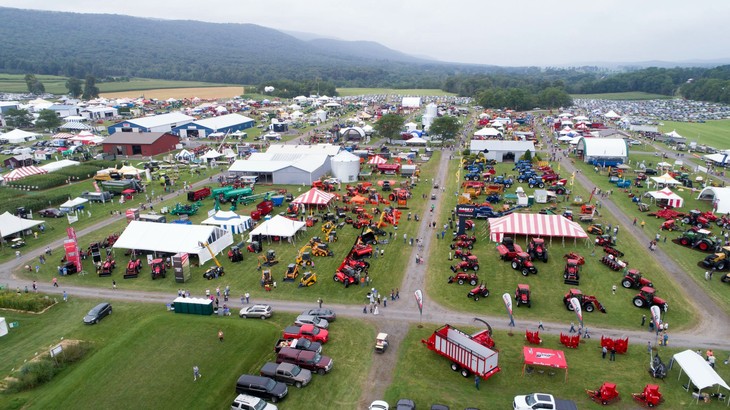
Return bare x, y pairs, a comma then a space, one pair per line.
261, 311
263, 387
312, 320
322, 313
405, 404
99, 312
50, 213
246, 402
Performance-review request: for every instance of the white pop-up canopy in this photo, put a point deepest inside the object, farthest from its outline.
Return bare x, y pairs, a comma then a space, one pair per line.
175, 238
277, 226
487, 132
666, 179
11, 224
701, 375
229, 221
665, 197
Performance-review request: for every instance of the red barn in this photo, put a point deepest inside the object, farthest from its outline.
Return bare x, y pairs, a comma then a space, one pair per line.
140, 143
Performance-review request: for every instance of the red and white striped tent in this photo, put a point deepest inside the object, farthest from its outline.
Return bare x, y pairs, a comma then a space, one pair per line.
19, 173
665, 197
314, 197
377, 160
62, 136
536, 225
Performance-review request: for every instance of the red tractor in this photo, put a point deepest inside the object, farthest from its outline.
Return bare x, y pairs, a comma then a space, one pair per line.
465, 237
588, 303
613, 251
462, 254
107, 267
471, 262
480, 291
508, 249
346, 275
234, 254
573, 255
523, 263
159, 270
359, 266
571, 273
537, 249
522, 295
633, 279
605, 240
462, 244
647, 298
463, 277
360, 251
650, 397
133, 268
697, 218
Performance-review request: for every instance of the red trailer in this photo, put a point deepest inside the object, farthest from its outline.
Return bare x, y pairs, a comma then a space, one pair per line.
389, 169
198, 195
467, 355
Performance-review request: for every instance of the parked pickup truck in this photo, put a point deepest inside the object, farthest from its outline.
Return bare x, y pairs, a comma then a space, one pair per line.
287, 373
305, 359
542, 401
300, 344
310, 332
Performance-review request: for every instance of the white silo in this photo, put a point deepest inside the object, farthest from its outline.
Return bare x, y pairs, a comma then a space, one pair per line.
345, 166
431, 110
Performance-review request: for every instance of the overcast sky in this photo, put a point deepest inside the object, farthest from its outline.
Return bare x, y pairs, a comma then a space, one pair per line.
517, 32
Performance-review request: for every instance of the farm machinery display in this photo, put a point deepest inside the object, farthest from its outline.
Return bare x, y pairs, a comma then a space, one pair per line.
269, 259
463, 277
159, 269
508, 249
700, 239
634, 280
478, 292
647, 298
468, 354
470, 263
614, 262
719, 261
538, 250
606, 394
523, 263
588, 303
650, 397
133, 268
308, 279
571, 273
522, 295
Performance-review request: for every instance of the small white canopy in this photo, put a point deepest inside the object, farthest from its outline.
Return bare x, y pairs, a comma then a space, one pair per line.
565, 138
72, 203
581, 118
565, 114
416, 141
184, 155
11, 224
277, 226
487, 132
665, 197
666, 179
611, 114
701, 375
212, 154
230, 221
673, 134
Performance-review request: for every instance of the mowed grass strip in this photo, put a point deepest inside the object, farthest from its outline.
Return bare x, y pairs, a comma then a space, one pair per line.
418, 369
547, 286
143, 357
712, 133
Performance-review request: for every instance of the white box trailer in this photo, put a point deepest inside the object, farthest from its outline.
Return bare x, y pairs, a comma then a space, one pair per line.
467, 355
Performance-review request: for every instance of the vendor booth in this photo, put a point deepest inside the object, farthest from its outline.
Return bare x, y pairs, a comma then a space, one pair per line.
540, 357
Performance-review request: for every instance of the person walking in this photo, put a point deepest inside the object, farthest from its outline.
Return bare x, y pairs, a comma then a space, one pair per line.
476, 381
665, 339
65, 296
604, 350
540, 326
572, 328
643, 320
220, 334
55, 282
35, 287
613, 355
247, 296
375, 310
648, 347
196, 373
114, 284
319, 302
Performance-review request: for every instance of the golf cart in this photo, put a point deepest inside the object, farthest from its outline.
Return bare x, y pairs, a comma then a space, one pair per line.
17, 243
381, 343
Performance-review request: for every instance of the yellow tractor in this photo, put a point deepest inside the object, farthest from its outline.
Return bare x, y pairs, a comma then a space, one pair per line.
268, 260
309, 279
327, 228
304, 257
321, 249
292, 272
266, 278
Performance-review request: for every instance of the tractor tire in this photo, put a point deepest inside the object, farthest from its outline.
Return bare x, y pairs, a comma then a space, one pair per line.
588, 307
460, 281
639, 302
515, 265
545, 258
686, 221
720, 265
525, 272
473, 282
507, 186
569, 306
471, 246
627, 284
486, 293
541, 185
531, 185
703, 246
455, 367
476, 268
476, 298
529, 305
335, 278
465, 373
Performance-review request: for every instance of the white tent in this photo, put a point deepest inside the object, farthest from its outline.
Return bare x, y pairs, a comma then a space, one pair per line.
277, 226
55, 166
212, 154
611, 114
174, 238
230, 221
701, 375
11, 224
487, 132
565, 138
72, 204
719, 196
666, 180
184, 155
416, 141
673, 134
17, 135
3, 327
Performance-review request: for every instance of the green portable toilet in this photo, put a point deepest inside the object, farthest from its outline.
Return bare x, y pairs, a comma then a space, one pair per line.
207, 308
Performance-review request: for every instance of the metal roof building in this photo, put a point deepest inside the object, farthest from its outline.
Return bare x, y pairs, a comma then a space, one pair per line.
224, 124
155, 123
283, 168
502, 150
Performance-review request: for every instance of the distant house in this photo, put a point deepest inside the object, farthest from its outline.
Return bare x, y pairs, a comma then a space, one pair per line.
155, 123
222, 124
140, 143
65, 110
18, 161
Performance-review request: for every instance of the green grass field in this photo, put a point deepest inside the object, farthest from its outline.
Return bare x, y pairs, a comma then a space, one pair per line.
345, 92
712, 133
623, 96
418, 368
547, 286
142, 357
15, 83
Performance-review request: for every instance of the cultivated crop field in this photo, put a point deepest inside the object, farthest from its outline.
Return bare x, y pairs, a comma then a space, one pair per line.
205, 93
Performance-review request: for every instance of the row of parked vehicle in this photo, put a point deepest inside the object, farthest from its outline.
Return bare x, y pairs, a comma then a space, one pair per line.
298, 355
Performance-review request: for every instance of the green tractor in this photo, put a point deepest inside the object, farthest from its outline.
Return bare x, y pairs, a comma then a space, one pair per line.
700, 239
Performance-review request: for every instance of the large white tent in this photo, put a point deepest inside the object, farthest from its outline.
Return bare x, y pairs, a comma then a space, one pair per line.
416, 141
700, 373
175, 238
3, 327
11, 224
719, 196
17, 136
487, 132
277, 226
230, 221
666, 180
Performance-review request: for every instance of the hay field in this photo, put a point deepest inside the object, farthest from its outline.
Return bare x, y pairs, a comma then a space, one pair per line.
165, 93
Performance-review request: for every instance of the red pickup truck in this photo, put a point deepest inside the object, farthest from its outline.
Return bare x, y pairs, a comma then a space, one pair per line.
311, 361
309, 332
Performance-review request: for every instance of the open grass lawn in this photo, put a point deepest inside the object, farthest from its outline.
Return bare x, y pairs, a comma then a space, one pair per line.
547, 286
15, 83
142, 357
386, 273
634, 95
418, 368
712, 133
345, 92
206, 92
686, 258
